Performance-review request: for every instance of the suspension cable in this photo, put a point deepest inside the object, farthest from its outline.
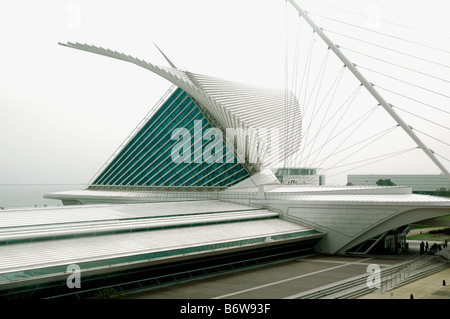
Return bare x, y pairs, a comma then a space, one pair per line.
307, 71
387, 48
380, 33
403, 81
421, 117
360, 149
390, 155
448, 160
383, 20
320, 74
364, 118
351, 99
395, 64
335, 85
382, 133
290, 123
412, 99
376, 158
431, 136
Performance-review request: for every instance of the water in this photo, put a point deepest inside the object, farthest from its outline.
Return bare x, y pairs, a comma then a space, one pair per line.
32, 195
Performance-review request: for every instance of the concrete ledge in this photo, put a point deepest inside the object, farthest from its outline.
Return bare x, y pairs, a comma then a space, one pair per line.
444, 253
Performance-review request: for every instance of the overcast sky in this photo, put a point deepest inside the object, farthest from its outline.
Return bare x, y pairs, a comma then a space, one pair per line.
63, 112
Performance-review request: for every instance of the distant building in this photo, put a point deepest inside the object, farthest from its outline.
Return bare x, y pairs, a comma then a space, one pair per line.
418, 183
299, 175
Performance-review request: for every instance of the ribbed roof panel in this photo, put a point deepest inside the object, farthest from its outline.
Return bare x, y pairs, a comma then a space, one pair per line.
265, 115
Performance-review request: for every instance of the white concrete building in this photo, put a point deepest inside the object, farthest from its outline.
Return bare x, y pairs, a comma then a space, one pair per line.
418, 182
178, 199
299, 175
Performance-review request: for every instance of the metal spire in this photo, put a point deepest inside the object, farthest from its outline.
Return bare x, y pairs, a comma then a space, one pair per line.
165, 57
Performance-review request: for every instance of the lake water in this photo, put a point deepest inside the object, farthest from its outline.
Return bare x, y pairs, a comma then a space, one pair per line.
29, 195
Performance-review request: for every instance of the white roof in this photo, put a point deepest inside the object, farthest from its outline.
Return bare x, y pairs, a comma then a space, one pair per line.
85, 213
266, 176
326, 194
309, 189
367, 199
233, 105
36, 242
40, 254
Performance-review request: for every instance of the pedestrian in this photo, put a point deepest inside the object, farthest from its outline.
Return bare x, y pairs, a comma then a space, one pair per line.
434, 248
426, 247
421, 247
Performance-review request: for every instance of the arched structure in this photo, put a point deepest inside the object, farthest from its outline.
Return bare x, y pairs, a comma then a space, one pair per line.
255, 116
349, 216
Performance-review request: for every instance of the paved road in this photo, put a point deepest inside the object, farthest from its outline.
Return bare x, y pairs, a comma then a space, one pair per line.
274, 281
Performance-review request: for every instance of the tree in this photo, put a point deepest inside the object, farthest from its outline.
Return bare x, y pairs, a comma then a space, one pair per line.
385, 182
109, 293
443, 192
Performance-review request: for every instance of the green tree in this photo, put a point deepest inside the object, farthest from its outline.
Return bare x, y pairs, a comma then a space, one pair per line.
109, 293
443, 192
385, 182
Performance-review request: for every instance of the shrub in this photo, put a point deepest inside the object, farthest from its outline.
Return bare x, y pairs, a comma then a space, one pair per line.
445, 231
109, 293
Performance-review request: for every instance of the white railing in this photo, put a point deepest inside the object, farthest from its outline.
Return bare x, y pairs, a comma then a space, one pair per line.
392, 280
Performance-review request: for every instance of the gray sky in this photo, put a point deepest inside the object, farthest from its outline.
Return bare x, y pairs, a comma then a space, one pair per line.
63, 112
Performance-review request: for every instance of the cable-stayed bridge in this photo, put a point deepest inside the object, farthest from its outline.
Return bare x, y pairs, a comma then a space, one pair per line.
371, 100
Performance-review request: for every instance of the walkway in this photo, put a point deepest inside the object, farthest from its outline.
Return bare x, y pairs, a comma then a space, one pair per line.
276, 281
426, 288
288, 279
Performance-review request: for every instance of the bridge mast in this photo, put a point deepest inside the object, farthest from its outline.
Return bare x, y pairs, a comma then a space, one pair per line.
370, 88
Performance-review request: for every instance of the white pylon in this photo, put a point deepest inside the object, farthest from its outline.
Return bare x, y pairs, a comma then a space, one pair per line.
369, 87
